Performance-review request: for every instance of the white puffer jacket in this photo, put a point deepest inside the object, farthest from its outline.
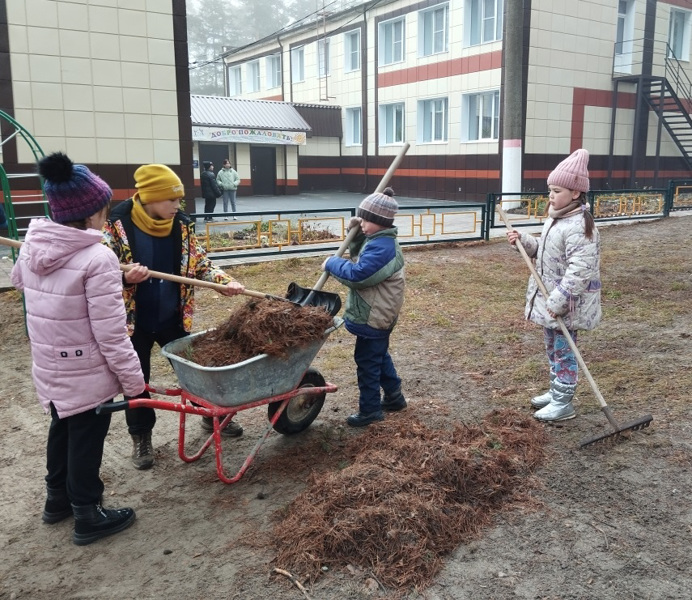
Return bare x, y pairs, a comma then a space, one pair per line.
82, 355
569, 264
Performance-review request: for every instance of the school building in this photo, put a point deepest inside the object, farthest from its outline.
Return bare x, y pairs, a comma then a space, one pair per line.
490, 94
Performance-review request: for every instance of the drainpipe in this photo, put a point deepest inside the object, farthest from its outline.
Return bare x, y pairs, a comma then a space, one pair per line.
364, 94
281, 54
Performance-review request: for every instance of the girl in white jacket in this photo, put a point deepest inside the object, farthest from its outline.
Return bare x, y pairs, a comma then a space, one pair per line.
81, 353
568, 261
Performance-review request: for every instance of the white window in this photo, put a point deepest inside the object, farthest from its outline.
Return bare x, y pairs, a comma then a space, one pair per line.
679, 34
623, 36
352, 51
481, 116
433, 30
235, 81
483, 20
391, 123
298, 64
253, 76
323, 57
391, 45
354, 135
273, 71
432, 120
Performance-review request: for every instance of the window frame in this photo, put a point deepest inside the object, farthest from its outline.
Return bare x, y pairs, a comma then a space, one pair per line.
351, 49
298, 64
354, 130
273, 68
474, 103
475, 21
423, 39
387, 115
684, 42
427, 108
235, 81
254, 80
382, 49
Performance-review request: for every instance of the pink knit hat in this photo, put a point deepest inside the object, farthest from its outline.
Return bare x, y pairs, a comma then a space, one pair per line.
572, 173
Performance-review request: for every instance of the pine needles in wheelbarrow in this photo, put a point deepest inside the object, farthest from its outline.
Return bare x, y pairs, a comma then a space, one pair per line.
260, 327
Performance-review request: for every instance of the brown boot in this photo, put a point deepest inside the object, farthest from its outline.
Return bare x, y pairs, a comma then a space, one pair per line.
233, 429
142, 451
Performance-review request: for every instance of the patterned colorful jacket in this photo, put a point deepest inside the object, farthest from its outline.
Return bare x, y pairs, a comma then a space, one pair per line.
569, 265
193, 261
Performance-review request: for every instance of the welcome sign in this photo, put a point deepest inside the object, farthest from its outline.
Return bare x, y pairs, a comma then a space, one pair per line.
248, 135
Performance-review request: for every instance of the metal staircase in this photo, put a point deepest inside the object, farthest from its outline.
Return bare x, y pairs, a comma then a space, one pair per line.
663, 100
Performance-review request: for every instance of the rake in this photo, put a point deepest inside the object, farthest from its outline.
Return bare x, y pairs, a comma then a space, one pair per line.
618, 429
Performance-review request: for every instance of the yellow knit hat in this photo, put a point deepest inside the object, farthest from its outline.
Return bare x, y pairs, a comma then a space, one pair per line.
156, 183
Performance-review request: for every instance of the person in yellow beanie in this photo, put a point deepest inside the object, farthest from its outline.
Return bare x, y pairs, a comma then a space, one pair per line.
151, 232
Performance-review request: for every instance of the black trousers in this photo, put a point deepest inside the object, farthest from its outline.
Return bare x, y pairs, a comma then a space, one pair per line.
74, 453
209, 205
142, 420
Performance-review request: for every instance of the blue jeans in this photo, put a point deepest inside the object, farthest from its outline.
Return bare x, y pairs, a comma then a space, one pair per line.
375, 370
228, 196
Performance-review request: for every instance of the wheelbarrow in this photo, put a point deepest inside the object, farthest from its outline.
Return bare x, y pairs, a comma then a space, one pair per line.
293, 392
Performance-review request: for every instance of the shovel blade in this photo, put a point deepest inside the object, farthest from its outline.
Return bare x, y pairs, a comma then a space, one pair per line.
307, 297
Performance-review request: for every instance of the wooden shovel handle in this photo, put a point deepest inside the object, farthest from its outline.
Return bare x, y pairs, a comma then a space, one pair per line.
560, 322
354, 231
169, 277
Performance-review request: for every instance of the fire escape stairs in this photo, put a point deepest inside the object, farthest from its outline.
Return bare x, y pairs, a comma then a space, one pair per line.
672, 112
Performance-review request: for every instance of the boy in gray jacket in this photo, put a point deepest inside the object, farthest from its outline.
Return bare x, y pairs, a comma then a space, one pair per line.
375, 278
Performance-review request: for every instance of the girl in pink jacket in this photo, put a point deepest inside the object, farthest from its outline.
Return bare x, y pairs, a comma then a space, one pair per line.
81, 353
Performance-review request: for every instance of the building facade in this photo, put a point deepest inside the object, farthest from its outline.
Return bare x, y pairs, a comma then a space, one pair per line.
612, 77
106, 82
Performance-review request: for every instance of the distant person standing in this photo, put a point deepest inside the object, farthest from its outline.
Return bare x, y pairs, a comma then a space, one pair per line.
228, 180
210, 191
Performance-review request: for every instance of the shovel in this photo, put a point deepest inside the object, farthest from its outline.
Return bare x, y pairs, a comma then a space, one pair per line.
330, 302
640, 423
310, 296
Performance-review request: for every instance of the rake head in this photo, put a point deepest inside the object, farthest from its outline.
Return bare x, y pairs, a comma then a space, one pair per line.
613, 436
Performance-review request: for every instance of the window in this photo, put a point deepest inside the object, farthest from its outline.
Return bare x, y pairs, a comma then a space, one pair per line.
352, 51
354, 135
323, 57
235, 81
481, 116
273, 71
679, 34
253, 76
391, 45
433, 28
623, 36
483, 20
298, 64
432, 120
392, 123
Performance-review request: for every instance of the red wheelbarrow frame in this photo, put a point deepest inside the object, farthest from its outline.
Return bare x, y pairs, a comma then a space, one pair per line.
221, 415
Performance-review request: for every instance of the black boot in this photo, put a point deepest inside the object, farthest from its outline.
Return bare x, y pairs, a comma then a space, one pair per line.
57, 506
93, 522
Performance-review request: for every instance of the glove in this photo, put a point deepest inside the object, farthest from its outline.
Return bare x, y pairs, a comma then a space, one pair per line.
354, 222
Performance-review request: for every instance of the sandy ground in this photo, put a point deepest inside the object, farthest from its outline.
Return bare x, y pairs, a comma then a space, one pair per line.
610, 522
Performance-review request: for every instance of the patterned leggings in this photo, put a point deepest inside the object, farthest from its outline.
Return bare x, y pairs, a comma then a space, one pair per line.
562, 360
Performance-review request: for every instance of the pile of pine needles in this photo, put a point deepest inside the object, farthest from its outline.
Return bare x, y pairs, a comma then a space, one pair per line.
260, 327
411, 495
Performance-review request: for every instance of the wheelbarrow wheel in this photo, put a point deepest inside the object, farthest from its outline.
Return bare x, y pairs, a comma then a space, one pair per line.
302, 409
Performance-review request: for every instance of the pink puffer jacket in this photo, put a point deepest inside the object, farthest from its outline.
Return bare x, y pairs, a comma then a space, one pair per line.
82, 355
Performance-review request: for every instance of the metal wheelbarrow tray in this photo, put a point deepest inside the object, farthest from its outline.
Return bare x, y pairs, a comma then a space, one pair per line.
293, 392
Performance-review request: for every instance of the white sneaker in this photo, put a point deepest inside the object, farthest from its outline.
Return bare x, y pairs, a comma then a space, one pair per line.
235, 218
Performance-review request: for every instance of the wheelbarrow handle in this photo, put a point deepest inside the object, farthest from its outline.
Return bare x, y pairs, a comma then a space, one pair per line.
111, 407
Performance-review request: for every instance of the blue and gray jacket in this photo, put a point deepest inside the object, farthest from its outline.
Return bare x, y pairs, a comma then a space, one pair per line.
374, 275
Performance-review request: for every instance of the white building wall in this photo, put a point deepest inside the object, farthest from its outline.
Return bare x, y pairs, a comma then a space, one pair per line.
96, 81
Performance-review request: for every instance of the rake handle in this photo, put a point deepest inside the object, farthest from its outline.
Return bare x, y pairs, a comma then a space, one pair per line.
561, 323
170, 277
